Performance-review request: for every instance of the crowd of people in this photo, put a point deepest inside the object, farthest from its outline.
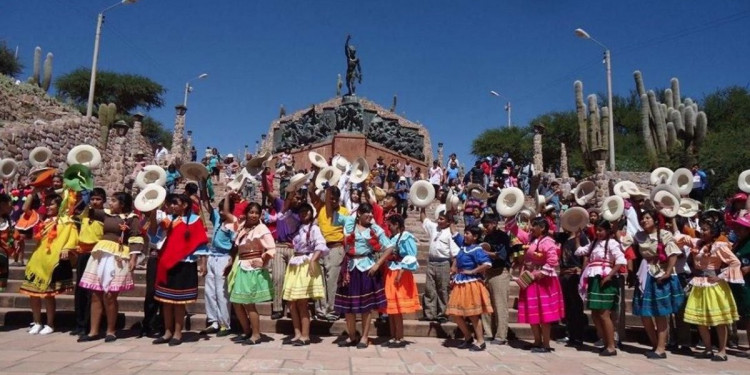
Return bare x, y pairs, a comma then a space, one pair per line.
327, 249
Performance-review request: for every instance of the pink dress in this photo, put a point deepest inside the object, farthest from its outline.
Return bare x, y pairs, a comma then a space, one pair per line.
542, 301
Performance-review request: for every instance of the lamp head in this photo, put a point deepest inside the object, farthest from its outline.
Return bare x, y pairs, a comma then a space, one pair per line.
493, 92
128, 2
204, 75
581, 33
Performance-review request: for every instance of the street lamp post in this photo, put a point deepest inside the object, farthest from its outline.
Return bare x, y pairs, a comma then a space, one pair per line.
189, 89
581, 33
92, 81
507, 103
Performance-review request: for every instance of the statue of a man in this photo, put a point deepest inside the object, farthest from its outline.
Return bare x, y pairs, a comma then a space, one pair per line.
353, 68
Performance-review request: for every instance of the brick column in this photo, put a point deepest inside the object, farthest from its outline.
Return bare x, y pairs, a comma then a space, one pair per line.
178, 134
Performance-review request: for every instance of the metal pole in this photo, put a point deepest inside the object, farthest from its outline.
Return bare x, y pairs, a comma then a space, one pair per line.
92, 82
187, 89
608, 59
509, 108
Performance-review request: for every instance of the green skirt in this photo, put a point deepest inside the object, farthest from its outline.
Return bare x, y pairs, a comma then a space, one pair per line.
247, 287
602, 298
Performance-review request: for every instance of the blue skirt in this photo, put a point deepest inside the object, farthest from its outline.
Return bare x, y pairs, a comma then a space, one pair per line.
362, 294
659, 299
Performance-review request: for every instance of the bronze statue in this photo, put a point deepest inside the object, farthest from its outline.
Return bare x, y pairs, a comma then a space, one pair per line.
353, 68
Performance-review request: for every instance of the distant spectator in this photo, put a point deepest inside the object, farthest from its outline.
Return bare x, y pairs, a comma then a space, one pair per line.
161, 153
700, 183
231, 166
436, 175
173, 176
193, 154
408, 172
402, 190
452, 172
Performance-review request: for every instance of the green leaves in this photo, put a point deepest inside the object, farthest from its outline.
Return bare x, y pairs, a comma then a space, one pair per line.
127, 91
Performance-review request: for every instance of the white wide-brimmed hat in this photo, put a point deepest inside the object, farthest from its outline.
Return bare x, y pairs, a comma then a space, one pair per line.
510, 201
40, 156
661, 176
296, 182
584, 192
743, 182
476, 191
421, 193
150, 198
194, 171
151, 174
540, 201
8, 168
451, 201
317, 159
688, 207
440, 208
633, 191
258, 161
667, 199
612, 208
574, 219
682, 180
86, 155
330, 175
360, 171
238, 181
341, 163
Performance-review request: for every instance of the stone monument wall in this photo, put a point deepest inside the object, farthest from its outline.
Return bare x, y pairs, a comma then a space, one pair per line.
30, 118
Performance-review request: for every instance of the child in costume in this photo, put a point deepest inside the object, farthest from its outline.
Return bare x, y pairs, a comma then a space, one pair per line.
177, 269
401, 294
49, 272
6, 239
249, 281
303, 280
469, 297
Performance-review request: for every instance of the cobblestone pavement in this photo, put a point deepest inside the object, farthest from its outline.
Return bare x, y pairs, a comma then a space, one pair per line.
58, 353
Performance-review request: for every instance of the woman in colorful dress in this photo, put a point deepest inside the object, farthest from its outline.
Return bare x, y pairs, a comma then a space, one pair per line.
303, 280
401, 293
659, 293
6, 239
109, 270
597, 287
49, 272
249, 281
360, 289
710, 303
541, 302
176, 282
469, 297
741, 248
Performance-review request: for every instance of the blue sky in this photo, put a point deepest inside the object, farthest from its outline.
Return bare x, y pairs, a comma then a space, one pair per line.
440, 57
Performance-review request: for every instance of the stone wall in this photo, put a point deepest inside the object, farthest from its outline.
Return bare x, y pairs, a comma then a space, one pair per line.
30, 118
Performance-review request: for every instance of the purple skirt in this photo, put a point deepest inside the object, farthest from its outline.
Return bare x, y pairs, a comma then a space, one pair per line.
362, 294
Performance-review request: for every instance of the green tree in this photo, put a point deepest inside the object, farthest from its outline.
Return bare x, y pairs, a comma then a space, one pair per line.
515, 141
9, 64
128, 91
154, 131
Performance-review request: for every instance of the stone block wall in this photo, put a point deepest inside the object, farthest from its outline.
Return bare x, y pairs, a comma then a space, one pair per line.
30, 118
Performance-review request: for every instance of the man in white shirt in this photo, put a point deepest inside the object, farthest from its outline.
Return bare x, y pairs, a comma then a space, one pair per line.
442, 251
161, 152
436, 175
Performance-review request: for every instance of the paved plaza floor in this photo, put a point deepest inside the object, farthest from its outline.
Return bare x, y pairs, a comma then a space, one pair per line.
58, 353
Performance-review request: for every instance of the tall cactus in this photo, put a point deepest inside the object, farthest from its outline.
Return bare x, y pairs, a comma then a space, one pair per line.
107, 113
670, 125
593, 127
47, 72
36, 78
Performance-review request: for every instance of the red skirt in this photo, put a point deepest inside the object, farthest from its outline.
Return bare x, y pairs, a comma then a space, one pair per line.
402, 298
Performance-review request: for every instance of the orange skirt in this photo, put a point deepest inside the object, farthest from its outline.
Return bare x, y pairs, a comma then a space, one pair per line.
402, 298
469, 299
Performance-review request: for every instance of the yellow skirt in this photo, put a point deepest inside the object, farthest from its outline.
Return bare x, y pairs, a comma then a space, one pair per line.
711, 306
469, 299
299, 285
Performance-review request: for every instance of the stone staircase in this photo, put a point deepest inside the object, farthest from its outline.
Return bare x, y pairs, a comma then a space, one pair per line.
14, 307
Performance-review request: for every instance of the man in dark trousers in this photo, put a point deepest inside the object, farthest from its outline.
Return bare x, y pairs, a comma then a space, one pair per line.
497, 280
570, 273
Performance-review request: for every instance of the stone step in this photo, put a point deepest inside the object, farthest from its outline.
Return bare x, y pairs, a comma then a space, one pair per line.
126, 302
15, 318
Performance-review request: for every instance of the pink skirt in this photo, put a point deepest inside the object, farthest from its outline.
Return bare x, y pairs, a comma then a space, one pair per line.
541, 302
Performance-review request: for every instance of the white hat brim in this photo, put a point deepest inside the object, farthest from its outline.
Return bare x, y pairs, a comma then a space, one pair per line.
421, 193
